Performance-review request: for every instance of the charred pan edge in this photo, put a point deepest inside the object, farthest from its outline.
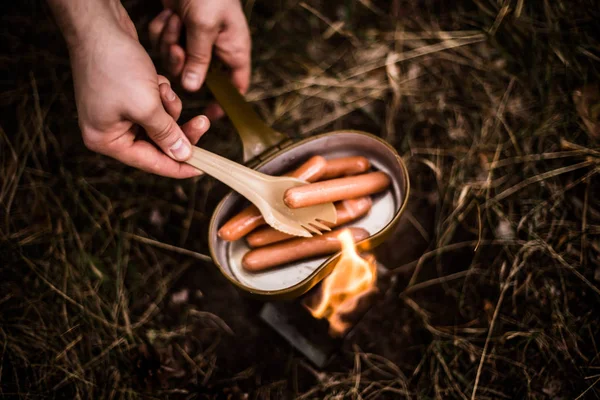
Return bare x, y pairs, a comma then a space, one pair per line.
320, 273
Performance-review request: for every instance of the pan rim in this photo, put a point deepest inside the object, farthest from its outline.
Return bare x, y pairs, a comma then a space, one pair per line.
308, 282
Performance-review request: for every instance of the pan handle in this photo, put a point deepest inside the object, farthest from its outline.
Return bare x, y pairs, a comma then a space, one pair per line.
257, 137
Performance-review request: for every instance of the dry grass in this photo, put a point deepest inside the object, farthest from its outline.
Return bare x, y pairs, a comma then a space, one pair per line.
106, 291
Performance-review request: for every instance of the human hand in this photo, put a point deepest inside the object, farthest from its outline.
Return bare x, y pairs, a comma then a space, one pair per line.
209, 23
118, 92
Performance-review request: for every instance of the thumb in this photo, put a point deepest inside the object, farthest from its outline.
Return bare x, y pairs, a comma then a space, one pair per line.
165, 132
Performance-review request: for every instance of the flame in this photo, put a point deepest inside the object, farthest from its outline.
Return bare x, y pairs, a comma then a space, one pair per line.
352, 278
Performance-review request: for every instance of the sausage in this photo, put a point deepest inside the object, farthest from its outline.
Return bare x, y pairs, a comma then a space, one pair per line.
310, 171
251, 218
242, 223
347, 210
346, 166
297, 249
336, 189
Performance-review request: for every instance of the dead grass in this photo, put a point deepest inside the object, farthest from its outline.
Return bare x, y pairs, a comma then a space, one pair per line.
106, 290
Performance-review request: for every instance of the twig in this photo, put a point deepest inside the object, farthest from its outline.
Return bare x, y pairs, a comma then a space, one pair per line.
169, 247
514, 270
539, 178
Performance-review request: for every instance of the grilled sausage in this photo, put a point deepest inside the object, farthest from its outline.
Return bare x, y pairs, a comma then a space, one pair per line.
336, 189
297, 249
346, 166
251, 218
347, 210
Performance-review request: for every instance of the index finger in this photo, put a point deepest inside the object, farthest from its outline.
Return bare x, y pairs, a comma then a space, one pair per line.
233, 46
200, 39
145, 156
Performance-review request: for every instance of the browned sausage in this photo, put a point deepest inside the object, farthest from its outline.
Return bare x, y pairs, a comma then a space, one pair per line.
297, 249
250, 218
347, 210
346, 166
336, 189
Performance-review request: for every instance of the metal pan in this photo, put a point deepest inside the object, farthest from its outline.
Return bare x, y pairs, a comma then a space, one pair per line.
273, 153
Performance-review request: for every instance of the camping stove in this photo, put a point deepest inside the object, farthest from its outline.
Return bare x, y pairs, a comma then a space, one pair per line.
313, 337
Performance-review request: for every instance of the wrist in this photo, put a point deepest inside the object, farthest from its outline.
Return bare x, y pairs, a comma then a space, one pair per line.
78, 19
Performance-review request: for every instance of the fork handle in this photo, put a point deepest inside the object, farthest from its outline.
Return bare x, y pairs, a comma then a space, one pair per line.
245, 181
257, 137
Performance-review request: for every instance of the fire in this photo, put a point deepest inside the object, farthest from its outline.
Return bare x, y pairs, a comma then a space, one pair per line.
352, 279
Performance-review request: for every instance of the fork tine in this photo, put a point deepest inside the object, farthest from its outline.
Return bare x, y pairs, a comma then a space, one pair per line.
320, 225
293, 228
311, 229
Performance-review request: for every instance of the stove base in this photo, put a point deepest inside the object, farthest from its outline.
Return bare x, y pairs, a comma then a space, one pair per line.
311, 336
305, 333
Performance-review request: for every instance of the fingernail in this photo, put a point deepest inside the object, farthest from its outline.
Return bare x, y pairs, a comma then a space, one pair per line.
200, 122
181, 150
191, 80
171, 95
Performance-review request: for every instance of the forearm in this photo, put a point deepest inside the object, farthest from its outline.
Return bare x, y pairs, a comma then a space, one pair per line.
77, 18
